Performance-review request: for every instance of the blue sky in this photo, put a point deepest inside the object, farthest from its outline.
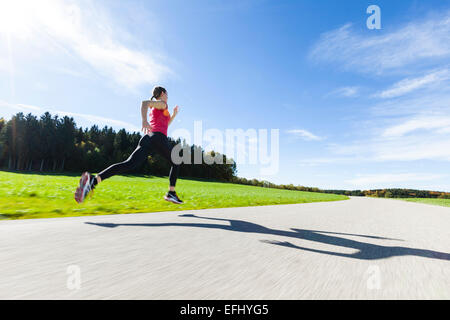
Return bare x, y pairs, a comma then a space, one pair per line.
356, 108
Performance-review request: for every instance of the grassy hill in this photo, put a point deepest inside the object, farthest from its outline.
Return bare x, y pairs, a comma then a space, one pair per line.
437, 202
24, 196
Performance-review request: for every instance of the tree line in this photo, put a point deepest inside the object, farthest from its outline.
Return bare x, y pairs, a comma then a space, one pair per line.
55, 144
380, 193
406, 193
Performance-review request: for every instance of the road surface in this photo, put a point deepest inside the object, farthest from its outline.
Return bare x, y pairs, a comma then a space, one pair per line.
363, 248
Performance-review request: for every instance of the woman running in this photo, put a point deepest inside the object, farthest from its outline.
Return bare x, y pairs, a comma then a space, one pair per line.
154, 139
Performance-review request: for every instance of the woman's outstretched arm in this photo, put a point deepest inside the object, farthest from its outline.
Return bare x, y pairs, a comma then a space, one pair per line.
174, 113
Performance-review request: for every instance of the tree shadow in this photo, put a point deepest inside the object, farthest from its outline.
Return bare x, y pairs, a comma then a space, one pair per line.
365, 251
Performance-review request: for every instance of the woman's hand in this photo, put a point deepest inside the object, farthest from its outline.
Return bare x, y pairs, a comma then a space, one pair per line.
146, 127
175, 111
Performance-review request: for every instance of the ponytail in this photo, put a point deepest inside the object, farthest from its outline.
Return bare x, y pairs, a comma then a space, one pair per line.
157, 91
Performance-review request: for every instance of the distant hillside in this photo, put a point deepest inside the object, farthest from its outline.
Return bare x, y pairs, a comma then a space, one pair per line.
381, 193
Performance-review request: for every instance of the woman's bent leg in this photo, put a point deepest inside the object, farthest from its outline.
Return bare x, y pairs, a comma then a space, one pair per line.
135, 159
173, 175
162, 145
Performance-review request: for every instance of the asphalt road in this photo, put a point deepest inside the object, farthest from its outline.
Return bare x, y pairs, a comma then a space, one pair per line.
363, 248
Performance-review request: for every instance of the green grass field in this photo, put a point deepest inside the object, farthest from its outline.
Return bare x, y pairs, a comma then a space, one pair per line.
438, 202
25, 196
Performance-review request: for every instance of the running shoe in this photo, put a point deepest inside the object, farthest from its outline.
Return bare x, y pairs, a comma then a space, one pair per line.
172, 197
85, 188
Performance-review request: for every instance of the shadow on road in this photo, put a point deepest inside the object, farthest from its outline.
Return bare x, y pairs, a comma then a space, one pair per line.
366, 251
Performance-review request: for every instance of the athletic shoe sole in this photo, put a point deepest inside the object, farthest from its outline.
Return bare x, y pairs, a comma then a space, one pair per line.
84, 183
172, 200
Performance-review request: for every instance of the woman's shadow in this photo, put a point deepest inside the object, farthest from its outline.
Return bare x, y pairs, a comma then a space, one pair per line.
365, 251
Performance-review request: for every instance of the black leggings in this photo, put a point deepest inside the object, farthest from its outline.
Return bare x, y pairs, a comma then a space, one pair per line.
155, 141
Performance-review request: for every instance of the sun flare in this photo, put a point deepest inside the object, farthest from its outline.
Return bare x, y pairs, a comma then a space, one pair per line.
15, 16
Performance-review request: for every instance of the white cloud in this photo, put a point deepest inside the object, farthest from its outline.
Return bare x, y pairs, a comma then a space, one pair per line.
416, 148
86, 33
408, 85
70, 72
438, 124
345, 92
304, 134
313, 162
388, 178
90, 118
20, 107
435, 102
99, 120
408, 148
377, 52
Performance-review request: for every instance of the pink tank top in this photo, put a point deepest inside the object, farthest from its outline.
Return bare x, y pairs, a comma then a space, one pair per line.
159, 120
